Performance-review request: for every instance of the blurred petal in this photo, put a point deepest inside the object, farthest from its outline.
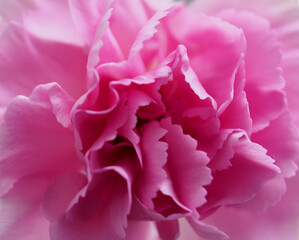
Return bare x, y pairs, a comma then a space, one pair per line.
48, 19
168, 230
88, 14
26, 61
59, 195
204, 42
276, 223
145, 230
20, 216
282, 142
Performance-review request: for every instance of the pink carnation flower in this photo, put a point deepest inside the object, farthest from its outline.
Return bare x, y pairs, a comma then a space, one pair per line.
142, 119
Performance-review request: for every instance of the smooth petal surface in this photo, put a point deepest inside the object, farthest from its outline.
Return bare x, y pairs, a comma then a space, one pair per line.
168, 230
278, 222
29, 135
138, 119
139, 229
264, 81
59, 195
20, 210
48, 19
205, 230
26, 61
281, 140
87, 15
283, 18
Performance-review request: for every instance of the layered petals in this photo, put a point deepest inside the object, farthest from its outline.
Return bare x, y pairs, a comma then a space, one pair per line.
101, 213
27, 61
29, 135
49, 19
137, 119
248, 157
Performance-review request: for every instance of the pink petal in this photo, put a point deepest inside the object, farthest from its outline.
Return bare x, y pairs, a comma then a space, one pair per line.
250, 171
60, 101
32, 140
263, 75
235, 114
119, 152
154, 154
104, 47
184, 94
168, 230
103, 106
278, 222
111, 103
186, 166
261, 7
136, 100
166, 207
148, 31
282, 142
224, 151
87, 16
215, 49
93, 128
59, 195
50, 19
127, 11
27, 61
286, 25
141, 230
269, 196
206, 231
283, 17
155, 5
20, 209
102, 212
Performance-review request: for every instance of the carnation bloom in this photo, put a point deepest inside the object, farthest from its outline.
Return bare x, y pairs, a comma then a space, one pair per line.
135, 119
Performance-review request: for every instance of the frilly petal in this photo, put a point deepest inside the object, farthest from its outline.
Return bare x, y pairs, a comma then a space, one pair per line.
182, 154
154, 154
249, 172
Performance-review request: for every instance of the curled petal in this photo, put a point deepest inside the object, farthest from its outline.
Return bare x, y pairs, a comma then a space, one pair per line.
182, 154
152, 173
29, 135
102, 212
59, 195
250, 171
